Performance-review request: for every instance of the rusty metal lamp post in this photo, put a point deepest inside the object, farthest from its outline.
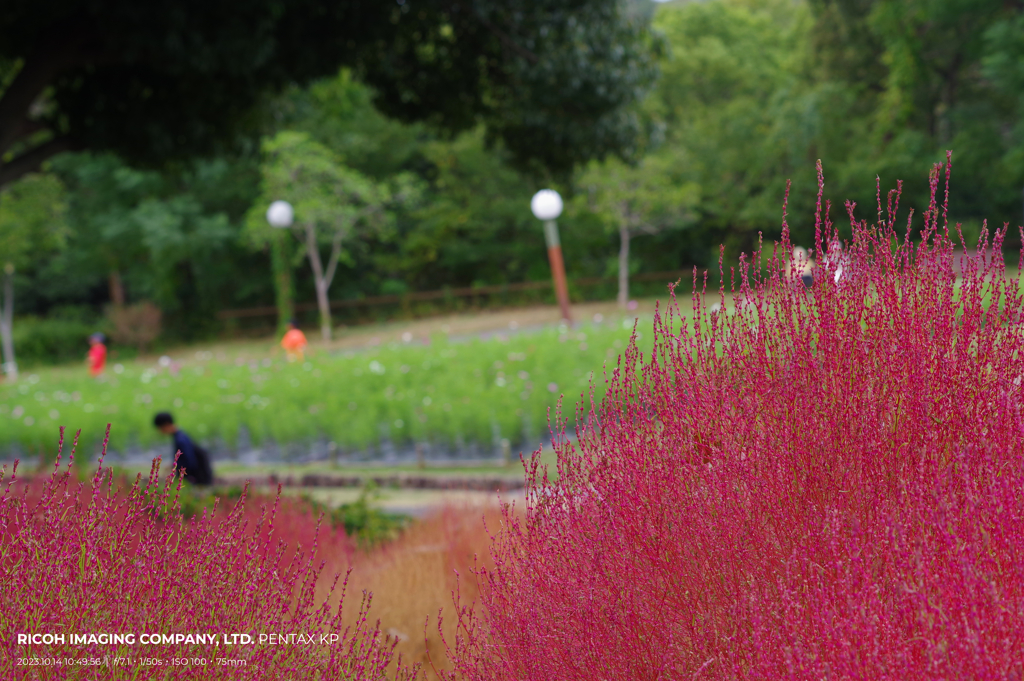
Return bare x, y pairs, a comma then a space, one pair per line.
547, 205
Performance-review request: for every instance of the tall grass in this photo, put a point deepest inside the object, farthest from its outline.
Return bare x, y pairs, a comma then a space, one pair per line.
89, 558
413, 579
826, 484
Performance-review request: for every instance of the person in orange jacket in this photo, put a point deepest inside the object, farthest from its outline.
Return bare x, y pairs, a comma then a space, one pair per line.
97, 356
294, 342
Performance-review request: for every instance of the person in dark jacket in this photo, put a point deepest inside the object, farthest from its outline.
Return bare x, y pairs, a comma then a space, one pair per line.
193, 459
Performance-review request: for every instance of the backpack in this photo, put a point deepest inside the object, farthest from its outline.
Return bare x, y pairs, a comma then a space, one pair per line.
203, 476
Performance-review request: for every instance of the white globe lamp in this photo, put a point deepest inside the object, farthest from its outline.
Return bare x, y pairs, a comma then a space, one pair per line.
280, 214
546, 204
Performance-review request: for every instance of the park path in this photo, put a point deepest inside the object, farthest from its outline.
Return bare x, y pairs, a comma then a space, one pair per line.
419, 503
483, 323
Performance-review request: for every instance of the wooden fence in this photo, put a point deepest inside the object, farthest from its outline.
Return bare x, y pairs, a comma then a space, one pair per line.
452, 293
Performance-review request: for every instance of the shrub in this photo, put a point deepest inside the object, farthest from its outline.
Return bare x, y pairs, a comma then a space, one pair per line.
826, 483
87, 558
51, 341
135, 325
367, 525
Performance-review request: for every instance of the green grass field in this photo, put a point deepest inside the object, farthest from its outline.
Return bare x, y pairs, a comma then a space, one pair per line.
443, 391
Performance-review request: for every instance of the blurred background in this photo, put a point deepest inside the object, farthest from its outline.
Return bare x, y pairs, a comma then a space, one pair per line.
142, 146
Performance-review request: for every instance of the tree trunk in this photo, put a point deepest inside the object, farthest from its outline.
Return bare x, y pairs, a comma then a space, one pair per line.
6, 324
321, 282
623, 266
282, 267
116, 289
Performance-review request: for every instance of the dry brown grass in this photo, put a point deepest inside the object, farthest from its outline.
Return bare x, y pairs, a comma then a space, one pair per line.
412, 579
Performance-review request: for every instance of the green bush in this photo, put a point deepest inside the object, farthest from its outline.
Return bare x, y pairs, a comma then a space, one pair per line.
194, 500
51, 340
368, 525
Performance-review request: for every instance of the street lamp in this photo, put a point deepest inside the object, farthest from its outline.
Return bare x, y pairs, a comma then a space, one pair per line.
547, 205
280, 214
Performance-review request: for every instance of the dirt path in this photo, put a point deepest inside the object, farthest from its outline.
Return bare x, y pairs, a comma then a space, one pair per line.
455, 325
415, 502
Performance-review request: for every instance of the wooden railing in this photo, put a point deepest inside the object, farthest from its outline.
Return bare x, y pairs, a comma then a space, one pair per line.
443, 294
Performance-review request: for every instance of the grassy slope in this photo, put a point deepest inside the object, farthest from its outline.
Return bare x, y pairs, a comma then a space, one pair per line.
489, 377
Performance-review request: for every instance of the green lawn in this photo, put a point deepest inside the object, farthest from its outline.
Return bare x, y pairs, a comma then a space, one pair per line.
443, 391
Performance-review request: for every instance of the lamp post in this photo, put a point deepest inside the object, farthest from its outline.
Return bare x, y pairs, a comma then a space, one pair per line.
10, 367
547, 205
280, 215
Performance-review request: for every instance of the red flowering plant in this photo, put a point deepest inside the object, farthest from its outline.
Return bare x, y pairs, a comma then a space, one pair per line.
103, 582
818, 482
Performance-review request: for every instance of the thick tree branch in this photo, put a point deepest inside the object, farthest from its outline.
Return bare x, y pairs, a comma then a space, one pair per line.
332, 262
30, 127
30, 161
37, 73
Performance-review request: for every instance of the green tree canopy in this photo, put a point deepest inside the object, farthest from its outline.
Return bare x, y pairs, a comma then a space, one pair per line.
554, 79
31, 228
333, 204
642, 198
32, 219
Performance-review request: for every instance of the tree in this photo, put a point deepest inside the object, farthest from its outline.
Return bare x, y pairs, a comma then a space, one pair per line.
31, 226
741, 113
142, 231
638, 199
477, 227
152, 81
332, 203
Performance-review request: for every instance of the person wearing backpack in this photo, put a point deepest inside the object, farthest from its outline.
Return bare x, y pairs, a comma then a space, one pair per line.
193, 458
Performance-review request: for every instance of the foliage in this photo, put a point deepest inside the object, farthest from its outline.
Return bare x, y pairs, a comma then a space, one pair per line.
333, 204
91, 558
644, 198
189, 80
446, 392
196, 501
641, 197
553, 79
52, 340
476, 226
361, 521
319, 186
921, 78
161, 237
338, 113
32, 222
739, 114
30, 225
819, 483
751, 92
135, 325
